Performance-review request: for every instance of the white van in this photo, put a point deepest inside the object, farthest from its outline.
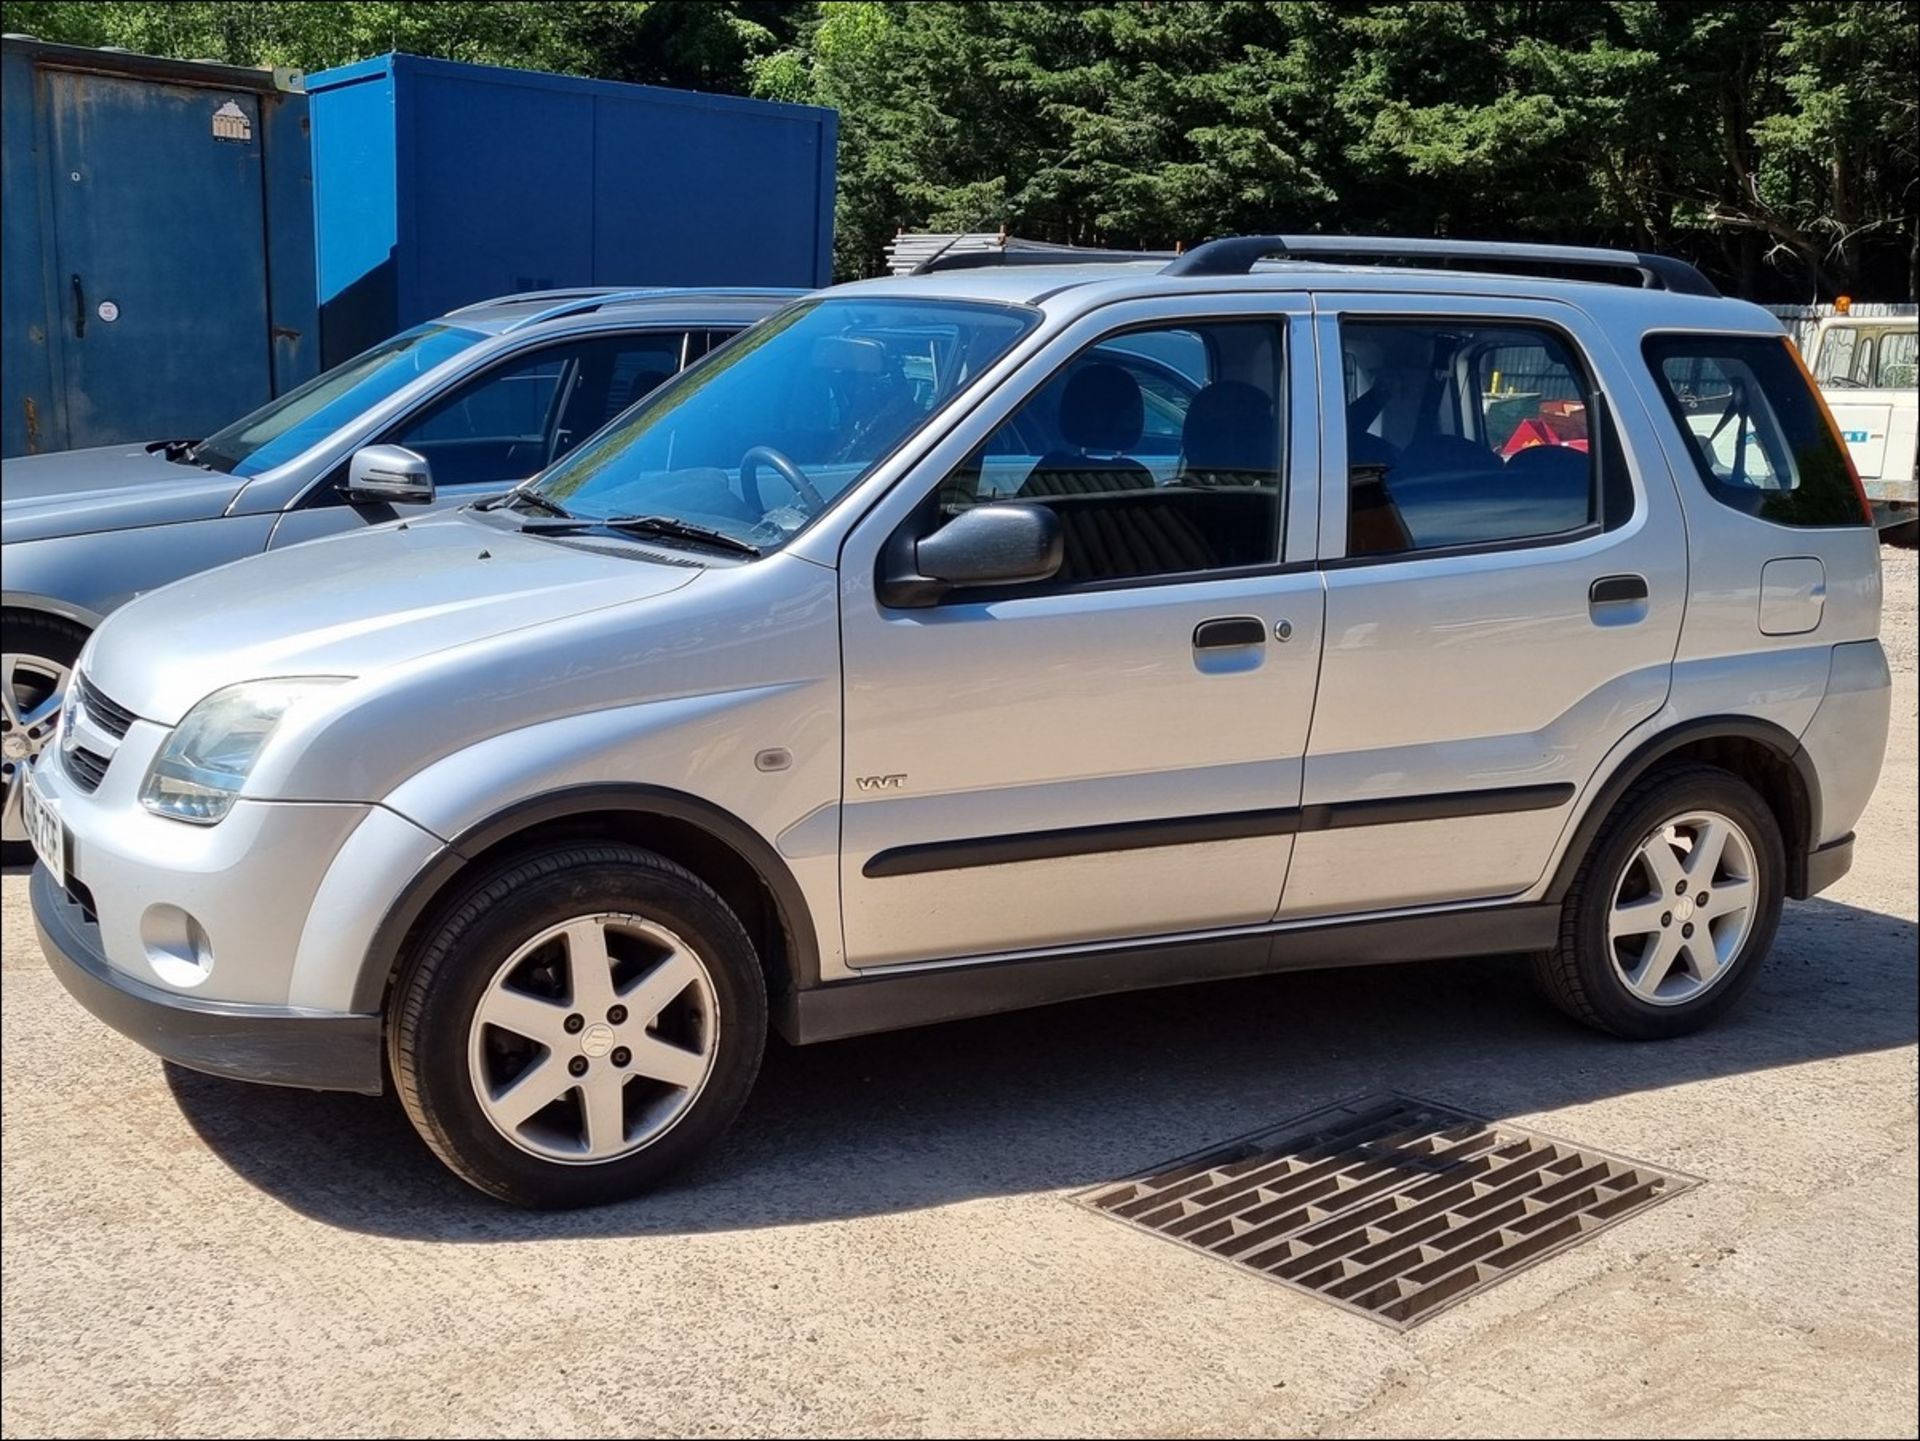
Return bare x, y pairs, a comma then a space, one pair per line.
1865, 367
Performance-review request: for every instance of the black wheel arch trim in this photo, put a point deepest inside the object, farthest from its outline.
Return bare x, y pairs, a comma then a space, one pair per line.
1656, 748
430, 882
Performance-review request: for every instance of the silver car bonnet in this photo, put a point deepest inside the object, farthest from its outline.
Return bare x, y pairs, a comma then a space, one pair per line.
354, 604
113, 487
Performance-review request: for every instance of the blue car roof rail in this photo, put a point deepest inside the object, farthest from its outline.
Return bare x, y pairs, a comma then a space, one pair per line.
525, 297
581, 305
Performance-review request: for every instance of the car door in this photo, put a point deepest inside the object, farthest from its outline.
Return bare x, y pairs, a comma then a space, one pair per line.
1506, 574
1113, 753
508, 421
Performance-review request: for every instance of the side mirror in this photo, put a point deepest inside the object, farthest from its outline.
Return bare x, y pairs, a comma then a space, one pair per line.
388, 475
1004, 544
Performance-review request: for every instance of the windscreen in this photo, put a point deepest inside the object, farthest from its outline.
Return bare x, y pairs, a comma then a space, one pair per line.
283, 428
763, 435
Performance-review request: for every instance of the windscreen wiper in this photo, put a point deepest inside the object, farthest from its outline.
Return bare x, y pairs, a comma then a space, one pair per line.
665, 526
677, 529
181, 452
533, 498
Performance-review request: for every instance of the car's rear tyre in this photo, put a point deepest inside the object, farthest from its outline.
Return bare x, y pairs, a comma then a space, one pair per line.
578, 1025
37, 653
1673, 909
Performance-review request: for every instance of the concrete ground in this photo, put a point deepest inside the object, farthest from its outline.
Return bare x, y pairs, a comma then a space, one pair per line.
885, 1244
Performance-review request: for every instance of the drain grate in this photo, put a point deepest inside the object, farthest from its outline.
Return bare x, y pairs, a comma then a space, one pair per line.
1390, 1206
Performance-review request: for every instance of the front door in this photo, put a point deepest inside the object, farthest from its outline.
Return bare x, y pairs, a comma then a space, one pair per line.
1116, 752
504, 424
1505, 585
162, 291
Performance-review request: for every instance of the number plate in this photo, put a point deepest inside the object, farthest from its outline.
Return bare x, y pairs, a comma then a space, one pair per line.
44, 831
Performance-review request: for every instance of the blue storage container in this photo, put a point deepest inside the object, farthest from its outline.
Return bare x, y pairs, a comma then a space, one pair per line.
157, 224
439, 184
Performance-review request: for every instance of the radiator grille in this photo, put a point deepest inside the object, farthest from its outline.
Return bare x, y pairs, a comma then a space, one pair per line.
108, 715
85, 768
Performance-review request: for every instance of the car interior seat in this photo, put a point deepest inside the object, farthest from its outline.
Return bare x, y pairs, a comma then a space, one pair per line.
1101, 417
1229, 437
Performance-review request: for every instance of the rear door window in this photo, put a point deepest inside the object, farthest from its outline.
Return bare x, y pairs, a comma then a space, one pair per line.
1755, 428
1463, 433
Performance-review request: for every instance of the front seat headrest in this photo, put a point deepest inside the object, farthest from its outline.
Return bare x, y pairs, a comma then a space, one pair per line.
1230, 431
1101, 409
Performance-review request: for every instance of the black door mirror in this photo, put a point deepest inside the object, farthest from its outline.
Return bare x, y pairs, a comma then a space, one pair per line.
1006, 544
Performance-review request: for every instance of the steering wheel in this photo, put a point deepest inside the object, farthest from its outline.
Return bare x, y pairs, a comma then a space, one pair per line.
792, 474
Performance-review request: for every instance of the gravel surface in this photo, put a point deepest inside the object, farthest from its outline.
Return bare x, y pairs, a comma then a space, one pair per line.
1900, 571
886, 1245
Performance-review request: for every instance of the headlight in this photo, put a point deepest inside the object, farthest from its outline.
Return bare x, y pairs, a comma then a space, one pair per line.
199, 771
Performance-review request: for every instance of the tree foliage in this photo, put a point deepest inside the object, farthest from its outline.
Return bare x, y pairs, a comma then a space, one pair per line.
1771, 140
704, 46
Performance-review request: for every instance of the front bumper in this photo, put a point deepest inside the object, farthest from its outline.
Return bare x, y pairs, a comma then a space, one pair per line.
250, 884
273, 1044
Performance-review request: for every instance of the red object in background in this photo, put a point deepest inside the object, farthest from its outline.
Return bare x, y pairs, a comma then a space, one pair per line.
1558, 422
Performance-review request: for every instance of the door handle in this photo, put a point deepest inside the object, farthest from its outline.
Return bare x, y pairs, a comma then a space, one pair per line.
1227, 631
1613, 589
79, 310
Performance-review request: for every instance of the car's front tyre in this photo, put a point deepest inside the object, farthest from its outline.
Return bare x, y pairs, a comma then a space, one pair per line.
578, 1025
1673, 909
37, 653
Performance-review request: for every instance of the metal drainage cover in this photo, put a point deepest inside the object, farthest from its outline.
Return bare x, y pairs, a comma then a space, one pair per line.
1390, 1206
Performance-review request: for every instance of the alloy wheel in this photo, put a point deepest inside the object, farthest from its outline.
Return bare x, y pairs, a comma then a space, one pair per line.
1683, 906
32, 691
594, 1038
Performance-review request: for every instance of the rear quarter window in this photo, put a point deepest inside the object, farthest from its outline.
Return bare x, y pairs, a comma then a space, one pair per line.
1755, 428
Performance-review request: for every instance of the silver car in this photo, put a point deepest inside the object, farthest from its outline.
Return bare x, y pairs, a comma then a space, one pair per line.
988, 638
481, 398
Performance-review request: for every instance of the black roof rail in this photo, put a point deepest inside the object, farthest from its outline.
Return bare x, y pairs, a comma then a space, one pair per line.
1237, 255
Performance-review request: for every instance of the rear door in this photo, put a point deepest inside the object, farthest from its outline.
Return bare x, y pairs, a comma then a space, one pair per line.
1505, 586
159, 302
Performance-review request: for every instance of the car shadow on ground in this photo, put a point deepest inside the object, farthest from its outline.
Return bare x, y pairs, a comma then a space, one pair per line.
1075, 1094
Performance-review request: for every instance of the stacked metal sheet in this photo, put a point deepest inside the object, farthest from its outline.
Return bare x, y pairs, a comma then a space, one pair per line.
910, 249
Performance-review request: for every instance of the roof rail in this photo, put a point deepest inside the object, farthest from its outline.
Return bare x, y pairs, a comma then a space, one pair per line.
1237, 255
584, 303
524, 296
580, 305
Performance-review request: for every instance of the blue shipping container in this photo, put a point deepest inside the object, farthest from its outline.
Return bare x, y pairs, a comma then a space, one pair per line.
157, 225
438, 184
